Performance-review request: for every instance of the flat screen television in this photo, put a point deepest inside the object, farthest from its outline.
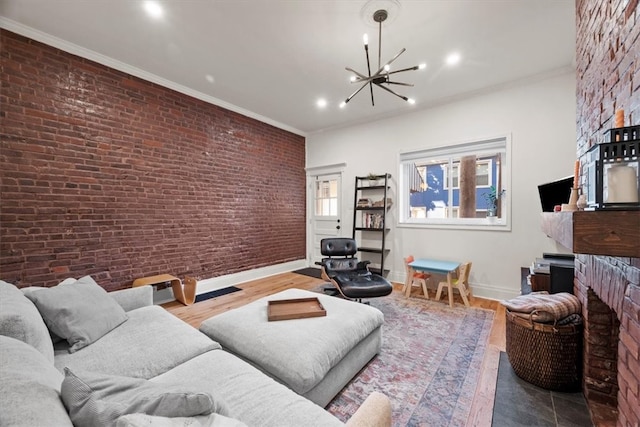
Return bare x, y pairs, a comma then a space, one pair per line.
555, 193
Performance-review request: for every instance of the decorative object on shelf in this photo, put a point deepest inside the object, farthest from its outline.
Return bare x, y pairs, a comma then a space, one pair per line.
619, 122
572, 206
493, 198
613, 171
582, 202
373, 179
380, 203
364, 203
382, 75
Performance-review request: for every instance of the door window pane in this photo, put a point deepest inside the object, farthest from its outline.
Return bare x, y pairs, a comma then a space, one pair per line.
326, 203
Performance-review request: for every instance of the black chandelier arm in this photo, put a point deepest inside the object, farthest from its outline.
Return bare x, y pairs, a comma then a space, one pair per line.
389, 62
371, 89
416, 67
389, 82
355, 93
392, 92
366, 51
361, 77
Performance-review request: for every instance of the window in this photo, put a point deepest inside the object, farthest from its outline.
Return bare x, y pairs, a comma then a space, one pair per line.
326, 197
450, 186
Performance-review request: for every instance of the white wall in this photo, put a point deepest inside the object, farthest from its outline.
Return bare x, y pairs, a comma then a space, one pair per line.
540, 117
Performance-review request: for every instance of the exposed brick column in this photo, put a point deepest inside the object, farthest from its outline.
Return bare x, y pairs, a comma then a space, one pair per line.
608, 79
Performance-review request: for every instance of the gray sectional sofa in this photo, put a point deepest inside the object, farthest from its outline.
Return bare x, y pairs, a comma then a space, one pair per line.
77, 355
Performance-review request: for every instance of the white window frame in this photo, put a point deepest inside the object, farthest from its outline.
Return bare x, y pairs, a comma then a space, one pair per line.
490, 145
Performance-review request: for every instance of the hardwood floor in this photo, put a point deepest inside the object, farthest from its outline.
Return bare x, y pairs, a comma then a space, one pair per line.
482, 407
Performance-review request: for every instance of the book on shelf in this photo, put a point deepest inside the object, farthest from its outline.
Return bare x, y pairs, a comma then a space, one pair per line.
372, 220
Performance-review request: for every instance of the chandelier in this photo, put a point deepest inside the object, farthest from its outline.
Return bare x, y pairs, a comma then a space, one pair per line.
382, 77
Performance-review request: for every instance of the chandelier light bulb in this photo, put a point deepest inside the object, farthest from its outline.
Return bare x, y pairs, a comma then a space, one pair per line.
343, 104
422, 66
411, 101
321, 103
365, 39
453, 58
153, 8
352, 78
387, 68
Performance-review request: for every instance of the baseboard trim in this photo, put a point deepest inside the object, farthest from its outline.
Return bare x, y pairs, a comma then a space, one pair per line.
215, 283
493, 292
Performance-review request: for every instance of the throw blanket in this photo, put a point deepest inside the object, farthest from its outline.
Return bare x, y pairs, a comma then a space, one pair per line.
544, 307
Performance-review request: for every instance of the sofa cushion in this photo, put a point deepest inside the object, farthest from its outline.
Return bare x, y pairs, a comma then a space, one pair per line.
253, 397
29, 387
151, 342
20, 319
95, 399
143, 420
80, 312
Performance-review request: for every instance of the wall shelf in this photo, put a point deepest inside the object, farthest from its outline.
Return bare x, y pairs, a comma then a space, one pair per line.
601, 232
369, 222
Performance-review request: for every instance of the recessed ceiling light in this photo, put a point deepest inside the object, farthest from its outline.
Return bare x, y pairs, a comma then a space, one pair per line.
154, 9
453, 58
209, 78
321, 103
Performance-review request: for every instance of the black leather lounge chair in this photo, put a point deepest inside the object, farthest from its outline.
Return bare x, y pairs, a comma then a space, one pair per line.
351, 277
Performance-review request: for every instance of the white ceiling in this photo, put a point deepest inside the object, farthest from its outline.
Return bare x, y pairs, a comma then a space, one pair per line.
272, 59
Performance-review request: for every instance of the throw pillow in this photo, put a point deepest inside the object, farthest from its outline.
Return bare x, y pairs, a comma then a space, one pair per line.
29, 289
143, 420
94, 399
20, 319
80, 312
29, 387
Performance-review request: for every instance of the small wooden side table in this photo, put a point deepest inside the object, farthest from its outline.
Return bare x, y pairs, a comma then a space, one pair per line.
186, 295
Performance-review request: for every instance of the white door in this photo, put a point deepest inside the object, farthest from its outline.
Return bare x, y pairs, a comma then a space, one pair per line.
325, 211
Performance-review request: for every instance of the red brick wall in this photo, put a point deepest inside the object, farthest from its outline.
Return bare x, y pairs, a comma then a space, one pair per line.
109, 175
608, 76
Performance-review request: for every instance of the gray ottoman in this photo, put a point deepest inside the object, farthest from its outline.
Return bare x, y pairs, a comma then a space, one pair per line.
315, 357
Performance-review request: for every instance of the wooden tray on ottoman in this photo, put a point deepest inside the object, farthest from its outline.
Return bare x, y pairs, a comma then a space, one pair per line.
298, 308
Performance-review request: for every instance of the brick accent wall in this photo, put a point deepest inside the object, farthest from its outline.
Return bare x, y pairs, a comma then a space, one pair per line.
608, 79
106, 174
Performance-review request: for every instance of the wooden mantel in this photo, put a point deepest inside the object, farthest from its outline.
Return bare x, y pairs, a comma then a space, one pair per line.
603, 232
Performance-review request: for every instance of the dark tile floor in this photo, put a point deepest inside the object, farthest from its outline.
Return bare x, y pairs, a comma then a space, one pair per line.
519, 403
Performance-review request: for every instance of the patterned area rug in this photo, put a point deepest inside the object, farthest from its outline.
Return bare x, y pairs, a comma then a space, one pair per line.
429, 365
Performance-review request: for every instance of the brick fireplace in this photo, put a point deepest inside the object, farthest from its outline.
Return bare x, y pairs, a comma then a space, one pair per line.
609, 289
608, 284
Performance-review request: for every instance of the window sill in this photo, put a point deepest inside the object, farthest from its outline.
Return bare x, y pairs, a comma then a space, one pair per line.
480, 224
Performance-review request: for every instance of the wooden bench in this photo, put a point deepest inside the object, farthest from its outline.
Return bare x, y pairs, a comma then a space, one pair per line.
186, 295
